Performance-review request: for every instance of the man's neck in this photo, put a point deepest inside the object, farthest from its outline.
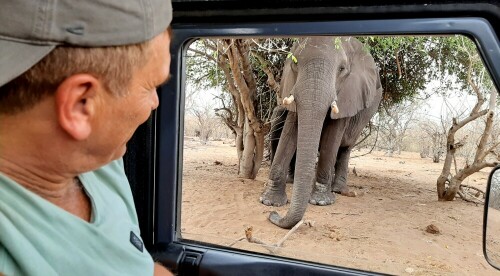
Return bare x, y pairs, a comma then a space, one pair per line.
36, 179
65, 192
38, 165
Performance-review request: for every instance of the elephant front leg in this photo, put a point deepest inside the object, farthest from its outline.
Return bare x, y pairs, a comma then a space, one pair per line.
330, 141
291, 169
341, 167
322, 195
274, 193
322, 192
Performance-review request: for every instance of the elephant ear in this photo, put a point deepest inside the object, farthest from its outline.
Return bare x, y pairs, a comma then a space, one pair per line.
361, 88
288, 80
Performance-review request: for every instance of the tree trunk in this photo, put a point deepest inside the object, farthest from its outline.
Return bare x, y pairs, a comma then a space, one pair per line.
247, 156
250, 145
436, 157
452, 190
454, 182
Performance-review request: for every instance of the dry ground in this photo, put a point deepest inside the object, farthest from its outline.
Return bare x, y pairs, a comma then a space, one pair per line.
382, 230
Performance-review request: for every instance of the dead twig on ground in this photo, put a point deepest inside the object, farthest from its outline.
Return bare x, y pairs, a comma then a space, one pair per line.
472, 188
465, 195
280, 243
250, 238
469, 199
359, 238
236, 241
347, 214
273, 248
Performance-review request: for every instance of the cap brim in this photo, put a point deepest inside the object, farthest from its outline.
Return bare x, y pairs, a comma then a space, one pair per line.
16, 58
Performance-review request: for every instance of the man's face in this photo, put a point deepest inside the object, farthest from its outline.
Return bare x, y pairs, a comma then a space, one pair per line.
122, 115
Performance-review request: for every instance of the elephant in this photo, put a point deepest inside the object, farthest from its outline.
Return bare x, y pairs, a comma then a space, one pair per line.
331, 89
278, 118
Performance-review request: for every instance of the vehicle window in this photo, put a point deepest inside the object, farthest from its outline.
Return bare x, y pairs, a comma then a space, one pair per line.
402, 128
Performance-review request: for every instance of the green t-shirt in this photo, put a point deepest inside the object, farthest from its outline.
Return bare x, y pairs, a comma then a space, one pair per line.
39, 238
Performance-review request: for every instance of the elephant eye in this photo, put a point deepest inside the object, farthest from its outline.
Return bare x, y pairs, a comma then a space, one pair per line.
342, 68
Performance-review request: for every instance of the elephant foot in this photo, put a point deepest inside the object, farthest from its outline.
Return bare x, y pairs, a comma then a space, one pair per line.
273, 196
321, 195
344, 190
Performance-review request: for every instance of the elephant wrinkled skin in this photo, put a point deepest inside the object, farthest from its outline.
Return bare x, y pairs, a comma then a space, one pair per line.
331, 90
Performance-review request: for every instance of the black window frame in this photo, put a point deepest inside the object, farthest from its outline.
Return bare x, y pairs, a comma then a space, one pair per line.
154, 162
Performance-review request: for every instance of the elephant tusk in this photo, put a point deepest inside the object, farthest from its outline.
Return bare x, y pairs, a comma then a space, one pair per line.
335, 108
288, 100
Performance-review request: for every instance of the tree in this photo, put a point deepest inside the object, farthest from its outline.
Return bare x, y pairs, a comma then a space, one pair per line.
433, 140
394, 121
248, 72
463, 61
405, 65
246, 69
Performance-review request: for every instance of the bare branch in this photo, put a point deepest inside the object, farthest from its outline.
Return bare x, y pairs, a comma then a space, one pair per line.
472, 188
481, 152
269, 50
213, 46
203, 54
396, 55
468, 199
280, 243
373, 146
271, 81
273, 248
473, 116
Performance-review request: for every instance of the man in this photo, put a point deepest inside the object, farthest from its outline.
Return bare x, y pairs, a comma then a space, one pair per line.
76, 80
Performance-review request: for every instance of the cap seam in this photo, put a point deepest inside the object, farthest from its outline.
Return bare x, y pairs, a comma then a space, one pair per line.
150, 19
50, 13
30, 41
145, 16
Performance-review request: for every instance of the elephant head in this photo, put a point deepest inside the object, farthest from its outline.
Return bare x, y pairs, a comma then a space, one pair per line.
325, 76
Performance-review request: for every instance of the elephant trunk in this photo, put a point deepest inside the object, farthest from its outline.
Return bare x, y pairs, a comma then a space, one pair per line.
310, 123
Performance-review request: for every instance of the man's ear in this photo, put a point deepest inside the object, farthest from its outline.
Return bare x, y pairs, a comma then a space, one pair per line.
76, 104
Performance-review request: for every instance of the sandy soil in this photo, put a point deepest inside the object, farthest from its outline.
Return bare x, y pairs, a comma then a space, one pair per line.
382, 230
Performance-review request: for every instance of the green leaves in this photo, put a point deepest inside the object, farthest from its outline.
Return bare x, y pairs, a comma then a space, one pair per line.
408, 65
337, 42
294, 59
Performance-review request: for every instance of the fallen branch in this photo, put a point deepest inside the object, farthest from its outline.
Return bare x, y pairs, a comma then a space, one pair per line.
280, 243
347, 214
273, 248
236, 241
358, 238
250, 238
473, 188
465, 198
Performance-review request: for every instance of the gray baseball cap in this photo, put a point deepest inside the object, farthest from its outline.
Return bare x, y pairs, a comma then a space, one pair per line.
31, 29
